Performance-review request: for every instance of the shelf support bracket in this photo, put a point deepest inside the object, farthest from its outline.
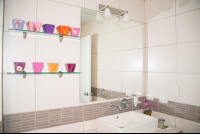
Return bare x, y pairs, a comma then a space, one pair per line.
24, 35
60, 74
60, 38
24, 75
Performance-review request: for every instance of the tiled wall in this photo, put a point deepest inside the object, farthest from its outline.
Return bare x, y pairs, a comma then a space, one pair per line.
44, 92
48, 119
119, 55
173, 53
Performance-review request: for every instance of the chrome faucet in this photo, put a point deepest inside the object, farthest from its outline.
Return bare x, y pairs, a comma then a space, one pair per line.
113, 105
124, 104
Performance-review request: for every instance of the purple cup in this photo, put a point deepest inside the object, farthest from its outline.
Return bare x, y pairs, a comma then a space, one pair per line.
18, 24
48, 28
19, 66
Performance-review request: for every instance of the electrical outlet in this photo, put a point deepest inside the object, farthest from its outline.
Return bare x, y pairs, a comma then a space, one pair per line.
128, 93
150, 97
163, 100
176, 91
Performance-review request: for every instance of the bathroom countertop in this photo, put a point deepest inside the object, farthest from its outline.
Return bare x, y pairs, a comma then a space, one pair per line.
173, 130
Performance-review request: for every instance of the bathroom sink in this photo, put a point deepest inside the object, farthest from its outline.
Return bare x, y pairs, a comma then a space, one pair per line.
130, 122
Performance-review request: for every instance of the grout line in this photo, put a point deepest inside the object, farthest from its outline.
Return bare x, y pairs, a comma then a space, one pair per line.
176, 57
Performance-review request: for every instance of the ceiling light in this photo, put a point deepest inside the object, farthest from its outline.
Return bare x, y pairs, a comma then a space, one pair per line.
117, 20
99, 17
107, 12
126, 18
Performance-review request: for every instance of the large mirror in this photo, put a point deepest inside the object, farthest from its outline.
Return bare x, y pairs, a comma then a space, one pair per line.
112, 53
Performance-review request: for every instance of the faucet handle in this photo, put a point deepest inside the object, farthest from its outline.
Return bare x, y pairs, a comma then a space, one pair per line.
124, 103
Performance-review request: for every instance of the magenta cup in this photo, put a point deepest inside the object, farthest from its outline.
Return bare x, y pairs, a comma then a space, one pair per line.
19, 66
70, 67
37, 66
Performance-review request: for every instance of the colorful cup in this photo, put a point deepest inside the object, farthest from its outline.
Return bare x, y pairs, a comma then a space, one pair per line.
48, 28
75, 31
63, 30
70, 67
19, 66
18, 24
37, 66
33, 26
53, 67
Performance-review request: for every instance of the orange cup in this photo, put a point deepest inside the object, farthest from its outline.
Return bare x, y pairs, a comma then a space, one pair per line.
53, 67
63, 30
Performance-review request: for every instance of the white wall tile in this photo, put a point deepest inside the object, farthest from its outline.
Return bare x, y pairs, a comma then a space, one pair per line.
129, 24
96, 27
89, 125
100, 61
132, 81
79, 3
112, 41
186, 5
100, 47
132, 60
94, 4
50, 50
94, 76
169, 120
189, 89
53, 92
100, 79
188, 60
1, 12
187, 126
18, 94
161, 32
112, 81
135, 8
110, 26
159, 9
188, 26
19, 9
72, 128
16, 49
85, 30
112, 61
161, 84
132, 38
50, 12
162, 59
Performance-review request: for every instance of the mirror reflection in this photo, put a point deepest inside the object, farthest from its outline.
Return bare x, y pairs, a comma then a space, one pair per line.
111, 57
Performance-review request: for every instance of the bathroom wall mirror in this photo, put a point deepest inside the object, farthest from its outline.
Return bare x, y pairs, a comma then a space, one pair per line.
112, 53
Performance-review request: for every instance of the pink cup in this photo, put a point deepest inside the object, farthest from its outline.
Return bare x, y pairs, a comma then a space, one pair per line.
33, 26
37, 66
74, 31
70, 67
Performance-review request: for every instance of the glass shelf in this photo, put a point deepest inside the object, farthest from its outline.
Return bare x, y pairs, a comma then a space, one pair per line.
44, 73
43, 34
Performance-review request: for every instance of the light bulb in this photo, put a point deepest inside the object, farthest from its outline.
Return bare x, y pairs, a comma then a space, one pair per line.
99, 17
126, 18
107, 12
117, 20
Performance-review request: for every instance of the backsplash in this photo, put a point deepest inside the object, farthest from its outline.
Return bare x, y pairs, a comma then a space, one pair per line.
24, 122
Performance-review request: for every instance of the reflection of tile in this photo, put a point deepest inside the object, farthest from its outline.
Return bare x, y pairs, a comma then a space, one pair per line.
162, 108
180, 110
171, 108
114, 110
191, 113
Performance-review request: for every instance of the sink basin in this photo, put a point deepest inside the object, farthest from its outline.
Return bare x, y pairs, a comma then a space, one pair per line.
130, 122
